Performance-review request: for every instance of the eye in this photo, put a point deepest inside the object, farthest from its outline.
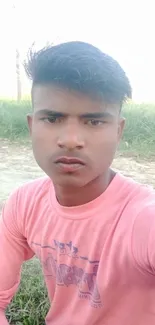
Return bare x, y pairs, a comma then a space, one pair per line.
94, 122
52, 119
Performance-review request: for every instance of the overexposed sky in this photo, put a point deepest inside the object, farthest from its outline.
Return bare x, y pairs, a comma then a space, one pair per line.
124, 29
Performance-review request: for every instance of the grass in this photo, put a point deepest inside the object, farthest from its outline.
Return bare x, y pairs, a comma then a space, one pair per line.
30, 305
138, 139
13, 123
139, 134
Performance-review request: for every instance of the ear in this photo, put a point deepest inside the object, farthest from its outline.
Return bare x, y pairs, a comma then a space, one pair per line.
121, 127
29, 122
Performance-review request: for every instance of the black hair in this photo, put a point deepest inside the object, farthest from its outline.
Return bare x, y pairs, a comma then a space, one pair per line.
82, 67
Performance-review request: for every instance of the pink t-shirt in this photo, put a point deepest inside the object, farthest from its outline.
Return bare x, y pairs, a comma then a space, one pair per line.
98, 259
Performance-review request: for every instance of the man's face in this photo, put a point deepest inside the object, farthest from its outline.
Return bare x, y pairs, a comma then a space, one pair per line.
74, 137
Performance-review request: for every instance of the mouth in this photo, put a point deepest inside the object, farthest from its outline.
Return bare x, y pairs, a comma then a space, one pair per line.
69, 164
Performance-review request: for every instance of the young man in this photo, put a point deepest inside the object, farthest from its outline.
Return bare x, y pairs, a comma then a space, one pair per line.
92, 229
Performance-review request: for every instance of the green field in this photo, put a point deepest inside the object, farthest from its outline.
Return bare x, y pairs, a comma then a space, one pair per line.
139, 135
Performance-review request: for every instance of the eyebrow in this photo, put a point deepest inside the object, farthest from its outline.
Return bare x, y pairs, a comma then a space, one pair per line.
48, 112
97, 115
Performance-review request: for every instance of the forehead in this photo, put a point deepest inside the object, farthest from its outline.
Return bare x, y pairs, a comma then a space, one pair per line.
68, 101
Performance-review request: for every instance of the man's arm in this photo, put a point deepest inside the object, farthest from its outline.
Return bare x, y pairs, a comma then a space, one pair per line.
143, 239
3, 319
14, 250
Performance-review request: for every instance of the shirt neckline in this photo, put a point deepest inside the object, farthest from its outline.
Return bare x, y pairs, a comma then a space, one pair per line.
109, 196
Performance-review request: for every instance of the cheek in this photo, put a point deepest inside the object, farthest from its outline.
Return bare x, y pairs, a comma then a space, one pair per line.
42, 135
41, 142
105, 147
106, 139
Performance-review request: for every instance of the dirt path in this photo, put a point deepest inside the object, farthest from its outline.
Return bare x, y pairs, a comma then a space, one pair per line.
17, 166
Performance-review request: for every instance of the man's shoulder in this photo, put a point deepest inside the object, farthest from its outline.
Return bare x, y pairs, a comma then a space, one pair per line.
141, 200
35, 183
41, 185
136, 189
31, 190
137, 197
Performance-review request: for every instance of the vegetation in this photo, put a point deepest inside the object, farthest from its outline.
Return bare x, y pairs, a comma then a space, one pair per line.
139, 134
13, 119
30, 305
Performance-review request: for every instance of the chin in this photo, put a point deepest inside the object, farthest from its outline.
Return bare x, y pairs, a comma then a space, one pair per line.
69, 181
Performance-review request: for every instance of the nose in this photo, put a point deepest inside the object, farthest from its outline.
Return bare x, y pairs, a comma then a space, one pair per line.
71, 138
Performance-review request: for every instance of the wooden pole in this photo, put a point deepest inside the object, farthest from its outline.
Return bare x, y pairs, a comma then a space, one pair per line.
18, 74
18, 65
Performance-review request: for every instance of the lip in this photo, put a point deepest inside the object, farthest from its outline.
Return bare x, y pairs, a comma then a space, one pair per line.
69, 160
69, 164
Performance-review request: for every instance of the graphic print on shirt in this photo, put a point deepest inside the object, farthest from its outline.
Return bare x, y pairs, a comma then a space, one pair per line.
78, 271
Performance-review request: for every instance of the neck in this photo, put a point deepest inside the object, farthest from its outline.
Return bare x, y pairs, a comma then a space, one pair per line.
79, 196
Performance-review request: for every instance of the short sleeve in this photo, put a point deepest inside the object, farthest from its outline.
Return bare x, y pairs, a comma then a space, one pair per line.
14, 250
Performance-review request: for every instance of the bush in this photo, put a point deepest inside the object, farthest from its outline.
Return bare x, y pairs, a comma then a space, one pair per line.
13, 119
139, 134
